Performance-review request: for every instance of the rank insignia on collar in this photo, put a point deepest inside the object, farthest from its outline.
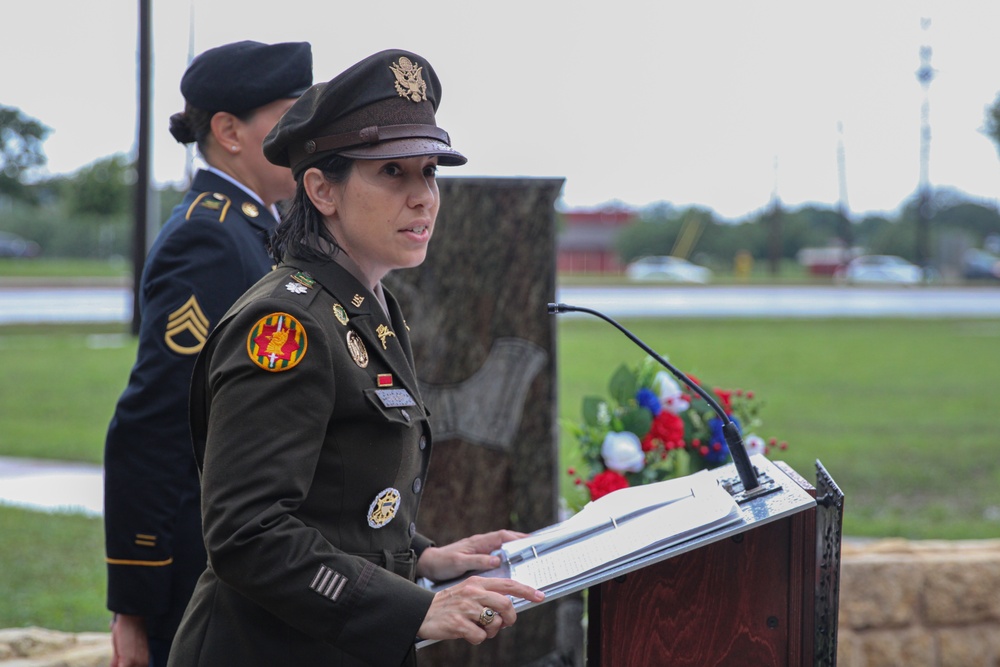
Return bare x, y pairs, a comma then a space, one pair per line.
357, 300
383, 508
340, 313
250, 209
384, 379
296, 288
357, 349
384, 332
277, 342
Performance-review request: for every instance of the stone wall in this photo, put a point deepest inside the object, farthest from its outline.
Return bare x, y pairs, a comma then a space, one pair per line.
920, 604
902, 604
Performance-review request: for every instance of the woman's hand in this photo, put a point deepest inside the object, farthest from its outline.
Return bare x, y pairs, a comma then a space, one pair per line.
471, 554
455, 612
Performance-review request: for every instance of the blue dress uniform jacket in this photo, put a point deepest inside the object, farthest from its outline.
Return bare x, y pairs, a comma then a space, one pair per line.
210, 251
313, 444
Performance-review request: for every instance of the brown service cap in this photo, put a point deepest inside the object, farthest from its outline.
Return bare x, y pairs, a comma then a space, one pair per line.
380, 108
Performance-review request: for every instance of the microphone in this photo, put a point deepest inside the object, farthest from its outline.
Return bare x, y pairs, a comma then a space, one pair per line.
748, 476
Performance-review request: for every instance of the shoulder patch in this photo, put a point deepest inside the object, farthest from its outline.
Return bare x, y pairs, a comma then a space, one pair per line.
187, 328
277, 342
215, 202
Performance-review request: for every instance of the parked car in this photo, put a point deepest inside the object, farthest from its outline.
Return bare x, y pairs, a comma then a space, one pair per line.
978, 264
667, 268
881, 269
12, 245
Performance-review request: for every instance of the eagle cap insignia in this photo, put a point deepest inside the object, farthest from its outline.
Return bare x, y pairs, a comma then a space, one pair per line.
409, 79
383, 509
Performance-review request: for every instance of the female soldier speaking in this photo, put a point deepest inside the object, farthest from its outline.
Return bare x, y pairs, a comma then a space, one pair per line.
308, 424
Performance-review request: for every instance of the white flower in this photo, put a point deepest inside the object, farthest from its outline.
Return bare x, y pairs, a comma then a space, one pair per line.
622, 452
671, 396
754, 444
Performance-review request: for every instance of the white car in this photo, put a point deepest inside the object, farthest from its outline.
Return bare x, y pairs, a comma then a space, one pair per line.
883, 269
667, 268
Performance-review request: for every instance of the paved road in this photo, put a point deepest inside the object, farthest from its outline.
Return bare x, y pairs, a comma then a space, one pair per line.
114, 304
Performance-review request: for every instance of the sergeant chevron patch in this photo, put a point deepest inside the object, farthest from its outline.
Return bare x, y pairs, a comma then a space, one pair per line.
187, 328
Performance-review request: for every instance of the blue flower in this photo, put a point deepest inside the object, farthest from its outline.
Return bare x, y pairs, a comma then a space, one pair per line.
648, 399
720, 455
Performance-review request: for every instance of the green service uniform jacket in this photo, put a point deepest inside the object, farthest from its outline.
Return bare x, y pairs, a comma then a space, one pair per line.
313, 444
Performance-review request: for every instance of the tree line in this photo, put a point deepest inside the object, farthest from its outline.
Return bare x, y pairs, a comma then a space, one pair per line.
89, 213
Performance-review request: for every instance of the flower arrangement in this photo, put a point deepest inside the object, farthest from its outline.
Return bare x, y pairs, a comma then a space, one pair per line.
650, 429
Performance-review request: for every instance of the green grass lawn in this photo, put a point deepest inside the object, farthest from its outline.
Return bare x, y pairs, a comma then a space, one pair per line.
899, 411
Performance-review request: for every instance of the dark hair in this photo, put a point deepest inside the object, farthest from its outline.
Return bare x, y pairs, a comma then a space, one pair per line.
195, 125
302, 231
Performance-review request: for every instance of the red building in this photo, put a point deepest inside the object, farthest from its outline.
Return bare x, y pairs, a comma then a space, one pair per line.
586, 242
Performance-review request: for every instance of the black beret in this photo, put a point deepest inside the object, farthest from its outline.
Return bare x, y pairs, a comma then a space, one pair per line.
380, 108
245, 75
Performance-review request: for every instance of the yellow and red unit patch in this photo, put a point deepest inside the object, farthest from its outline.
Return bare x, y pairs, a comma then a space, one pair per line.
277, 342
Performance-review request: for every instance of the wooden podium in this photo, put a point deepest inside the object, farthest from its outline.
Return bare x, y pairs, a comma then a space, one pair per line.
745, 595
760, 590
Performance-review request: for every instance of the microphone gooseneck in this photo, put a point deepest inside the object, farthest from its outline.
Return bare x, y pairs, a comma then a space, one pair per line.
748, 476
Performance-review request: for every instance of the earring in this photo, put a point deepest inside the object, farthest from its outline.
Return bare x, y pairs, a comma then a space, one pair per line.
234, 148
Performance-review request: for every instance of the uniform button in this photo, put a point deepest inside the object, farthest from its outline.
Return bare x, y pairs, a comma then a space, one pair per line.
416, 485
423, 442
413, 529
406, 415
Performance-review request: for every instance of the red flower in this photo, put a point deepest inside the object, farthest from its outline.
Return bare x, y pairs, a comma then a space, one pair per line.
605, 483
667, 430
725, 400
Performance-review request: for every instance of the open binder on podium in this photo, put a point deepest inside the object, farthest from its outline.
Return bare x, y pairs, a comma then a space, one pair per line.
615, 527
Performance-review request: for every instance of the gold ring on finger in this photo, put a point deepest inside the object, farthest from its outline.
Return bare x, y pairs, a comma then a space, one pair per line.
486, 617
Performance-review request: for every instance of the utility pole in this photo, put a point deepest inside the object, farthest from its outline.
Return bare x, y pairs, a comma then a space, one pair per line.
142, 161
846, 231
773, 217
924, 75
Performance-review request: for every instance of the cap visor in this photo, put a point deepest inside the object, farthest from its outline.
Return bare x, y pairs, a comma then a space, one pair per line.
401, 148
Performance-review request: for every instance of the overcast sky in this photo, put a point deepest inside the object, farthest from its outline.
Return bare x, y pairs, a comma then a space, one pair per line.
718, 104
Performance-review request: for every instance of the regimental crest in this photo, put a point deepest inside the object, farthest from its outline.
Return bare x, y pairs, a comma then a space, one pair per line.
340, 313
277, 342
383, 508
187, 328
409, 79
384, 332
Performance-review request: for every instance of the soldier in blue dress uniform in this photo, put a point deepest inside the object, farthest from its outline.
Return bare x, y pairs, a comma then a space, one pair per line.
308, 425
212, 248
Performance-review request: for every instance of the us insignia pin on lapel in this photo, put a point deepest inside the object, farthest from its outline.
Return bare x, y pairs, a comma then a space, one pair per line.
250, 209
357, 349
340, 313
383, 508
357, 300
